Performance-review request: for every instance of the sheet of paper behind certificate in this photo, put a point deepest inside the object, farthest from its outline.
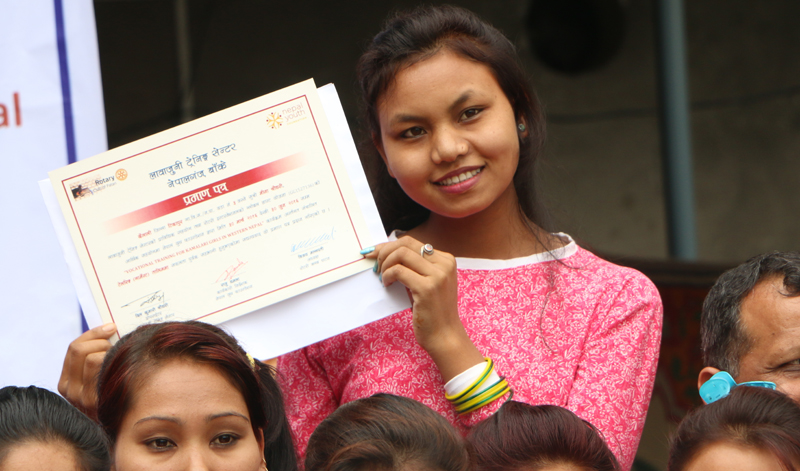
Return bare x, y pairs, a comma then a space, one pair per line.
303, 319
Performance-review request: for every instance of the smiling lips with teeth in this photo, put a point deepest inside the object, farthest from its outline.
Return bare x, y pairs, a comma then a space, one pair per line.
459, 178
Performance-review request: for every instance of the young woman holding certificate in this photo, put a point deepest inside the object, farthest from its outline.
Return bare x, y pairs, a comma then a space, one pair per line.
500, 305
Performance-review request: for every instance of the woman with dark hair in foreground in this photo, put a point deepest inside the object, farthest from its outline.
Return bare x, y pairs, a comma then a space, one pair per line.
751, 429
40, 430
185, 395
386, 433
539, 438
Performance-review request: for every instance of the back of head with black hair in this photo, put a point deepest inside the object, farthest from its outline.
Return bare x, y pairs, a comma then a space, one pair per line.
750, 417
387, 433
524, 437
723, 339
37, 415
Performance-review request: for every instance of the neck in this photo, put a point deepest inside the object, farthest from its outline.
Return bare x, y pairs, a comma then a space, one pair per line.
498, 232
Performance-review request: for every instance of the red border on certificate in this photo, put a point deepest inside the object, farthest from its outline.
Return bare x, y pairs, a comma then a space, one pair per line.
176, 203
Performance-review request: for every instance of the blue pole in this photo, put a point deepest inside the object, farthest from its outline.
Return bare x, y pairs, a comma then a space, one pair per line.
676, 138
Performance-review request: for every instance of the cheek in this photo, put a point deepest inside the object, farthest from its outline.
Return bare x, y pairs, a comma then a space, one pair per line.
122, 460
502, 148
791, 388
404, 166
501, 139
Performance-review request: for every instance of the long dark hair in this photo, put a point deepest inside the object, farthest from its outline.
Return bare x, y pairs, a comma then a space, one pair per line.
388, 433
521, 436
150, 345
754, 417
37, 415
416, 35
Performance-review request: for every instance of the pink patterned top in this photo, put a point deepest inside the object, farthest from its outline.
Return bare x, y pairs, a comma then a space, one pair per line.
577, 332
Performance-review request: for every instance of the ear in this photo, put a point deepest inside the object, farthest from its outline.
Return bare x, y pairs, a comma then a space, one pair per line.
260, 440
378, 143
706, 374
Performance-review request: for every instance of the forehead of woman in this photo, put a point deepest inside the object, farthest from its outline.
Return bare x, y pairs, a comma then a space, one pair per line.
728, 455
441, 80
184, 388
36, 455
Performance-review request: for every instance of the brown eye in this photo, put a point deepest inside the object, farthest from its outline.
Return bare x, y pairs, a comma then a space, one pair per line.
470, 113
416, 131
226, 439
160, 444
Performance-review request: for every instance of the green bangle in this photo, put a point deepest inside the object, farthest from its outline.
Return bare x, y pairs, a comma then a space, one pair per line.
489, 392
488, 400
458, 397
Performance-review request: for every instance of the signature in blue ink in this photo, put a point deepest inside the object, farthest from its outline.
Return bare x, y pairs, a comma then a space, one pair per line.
320, 239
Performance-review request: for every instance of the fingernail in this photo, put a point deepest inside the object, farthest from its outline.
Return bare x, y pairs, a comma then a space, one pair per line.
367, 250
109, 328
375, 267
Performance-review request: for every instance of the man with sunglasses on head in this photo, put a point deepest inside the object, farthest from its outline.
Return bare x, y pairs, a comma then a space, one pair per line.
750, 327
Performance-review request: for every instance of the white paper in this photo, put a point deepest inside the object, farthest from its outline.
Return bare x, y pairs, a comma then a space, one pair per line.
303, 319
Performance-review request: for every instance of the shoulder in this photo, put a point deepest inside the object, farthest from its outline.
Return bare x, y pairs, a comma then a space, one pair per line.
598, 270
615, 289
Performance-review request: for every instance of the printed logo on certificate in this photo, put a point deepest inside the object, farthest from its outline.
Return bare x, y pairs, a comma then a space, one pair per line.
218, 217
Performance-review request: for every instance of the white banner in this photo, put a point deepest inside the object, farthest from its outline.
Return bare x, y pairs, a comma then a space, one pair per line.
51, 113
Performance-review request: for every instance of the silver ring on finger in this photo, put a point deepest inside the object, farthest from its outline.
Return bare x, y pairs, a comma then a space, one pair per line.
426, 249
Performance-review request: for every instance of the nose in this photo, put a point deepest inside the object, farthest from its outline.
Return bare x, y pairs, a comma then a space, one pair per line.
197, 459
448, 145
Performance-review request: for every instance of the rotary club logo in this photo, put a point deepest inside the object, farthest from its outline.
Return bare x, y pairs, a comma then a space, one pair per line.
121, 174
275, 120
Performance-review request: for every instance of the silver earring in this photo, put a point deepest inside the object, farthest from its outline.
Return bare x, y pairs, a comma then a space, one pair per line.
521, 127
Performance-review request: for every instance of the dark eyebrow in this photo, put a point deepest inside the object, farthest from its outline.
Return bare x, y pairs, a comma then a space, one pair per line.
405, 118
159, 417
226, 414
461, 100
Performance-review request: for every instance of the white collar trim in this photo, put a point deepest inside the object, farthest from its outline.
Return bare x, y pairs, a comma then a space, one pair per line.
568, 250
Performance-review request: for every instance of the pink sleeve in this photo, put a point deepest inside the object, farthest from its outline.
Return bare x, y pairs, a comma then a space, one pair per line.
615, 376
308, 394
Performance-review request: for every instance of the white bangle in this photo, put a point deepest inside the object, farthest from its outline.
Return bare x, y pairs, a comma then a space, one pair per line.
463, 380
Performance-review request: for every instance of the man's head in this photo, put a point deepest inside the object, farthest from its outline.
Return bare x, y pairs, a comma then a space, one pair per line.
750, 326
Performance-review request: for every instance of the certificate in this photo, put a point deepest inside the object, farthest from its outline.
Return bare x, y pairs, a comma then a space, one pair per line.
216, 218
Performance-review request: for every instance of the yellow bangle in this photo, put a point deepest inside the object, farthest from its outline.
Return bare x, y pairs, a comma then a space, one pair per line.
478, 398
475, 384
488, 400
493, 389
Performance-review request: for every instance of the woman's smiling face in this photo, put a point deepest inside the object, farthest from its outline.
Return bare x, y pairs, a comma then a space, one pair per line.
186, 416
449, 135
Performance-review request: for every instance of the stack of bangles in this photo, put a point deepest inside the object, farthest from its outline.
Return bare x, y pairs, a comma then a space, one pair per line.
480, 393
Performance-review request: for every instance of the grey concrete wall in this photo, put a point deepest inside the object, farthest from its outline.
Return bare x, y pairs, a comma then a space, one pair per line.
605, 174
602, 175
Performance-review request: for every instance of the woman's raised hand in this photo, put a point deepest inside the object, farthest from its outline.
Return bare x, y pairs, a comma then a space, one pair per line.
78, 382
432, 281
